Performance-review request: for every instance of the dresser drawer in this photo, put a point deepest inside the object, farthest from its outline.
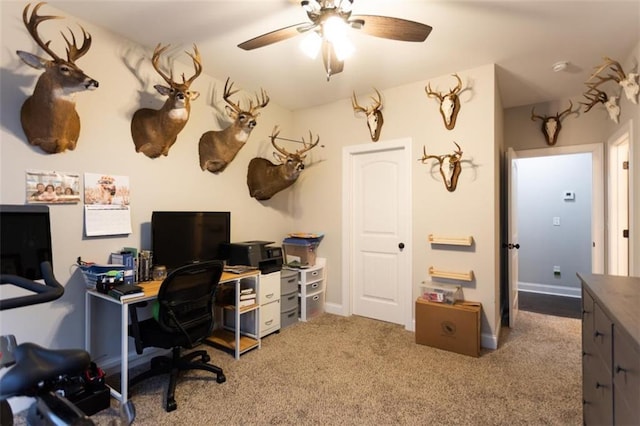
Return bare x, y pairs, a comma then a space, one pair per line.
288, 281
626, 370
311, 306
288, 301
269, 318
269, 288
311, 275
602, 336
597, 392
311, 288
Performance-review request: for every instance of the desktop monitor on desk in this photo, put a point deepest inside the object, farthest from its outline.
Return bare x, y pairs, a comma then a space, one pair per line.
183, 237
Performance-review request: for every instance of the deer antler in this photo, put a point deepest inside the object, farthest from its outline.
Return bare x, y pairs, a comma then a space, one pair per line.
308, 146
432, 94
615, 66
377, 103
261, 102
197, 64
73, 51
157, 52
595, 96
456, 89
274, 136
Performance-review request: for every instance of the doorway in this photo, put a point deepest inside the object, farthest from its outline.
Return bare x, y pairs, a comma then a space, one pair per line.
596, 227
377, 231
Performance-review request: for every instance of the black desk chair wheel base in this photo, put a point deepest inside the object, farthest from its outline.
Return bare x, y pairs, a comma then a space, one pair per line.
184, 319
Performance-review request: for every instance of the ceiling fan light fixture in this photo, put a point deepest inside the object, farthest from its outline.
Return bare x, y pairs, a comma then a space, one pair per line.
310, 44
343, 48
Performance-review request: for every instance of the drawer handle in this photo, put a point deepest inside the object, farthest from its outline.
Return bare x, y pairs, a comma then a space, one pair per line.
315, 285
315, 273
597, 334
269, 296
291, 314
291, 280
316, 297
268, 322
620, 370
600, 385
292, 297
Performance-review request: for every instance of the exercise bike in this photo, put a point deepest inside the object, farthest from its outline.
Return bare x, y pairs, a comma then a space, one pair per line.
39, 372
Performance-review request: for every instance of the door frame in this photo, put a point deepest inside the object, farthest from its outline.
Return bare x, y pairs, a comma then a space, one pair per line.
597, 193
613, 141
348, 154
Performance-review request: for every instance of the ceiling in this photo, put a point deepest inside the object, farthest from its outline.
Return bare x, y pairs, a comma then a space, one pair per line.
523, 38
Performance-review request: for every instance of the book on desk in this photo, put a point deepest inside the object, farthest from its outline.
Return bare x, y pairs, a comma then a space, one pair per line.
126, 292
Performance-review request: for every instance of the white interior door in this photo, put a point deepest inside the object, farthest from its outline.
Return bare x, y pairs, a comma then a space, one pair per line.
513, 244
377, 222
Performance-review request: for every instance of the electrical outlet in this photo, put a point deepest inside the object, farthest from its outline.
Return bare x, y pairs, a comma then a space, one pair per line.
556, 221
556, 271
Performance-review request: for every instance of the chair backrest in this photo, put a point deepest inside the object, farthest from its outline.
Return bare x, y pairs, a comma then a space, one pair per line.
186, 300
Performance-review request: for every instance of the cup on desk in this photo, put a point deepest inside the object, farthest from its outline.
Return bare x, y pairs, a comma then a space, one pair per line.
159, 272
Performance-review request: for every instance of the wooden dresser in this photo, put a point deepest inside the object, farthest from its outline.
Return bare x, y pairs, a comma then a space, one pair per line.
610, 349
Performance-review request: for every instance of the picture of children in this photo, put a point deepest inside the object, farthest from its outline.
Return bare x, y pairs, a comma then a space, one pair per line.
51, 187
49, 194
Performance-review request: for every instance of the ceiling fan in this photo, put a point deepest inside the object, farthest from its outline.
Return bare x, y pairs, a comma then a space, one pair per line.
327, 15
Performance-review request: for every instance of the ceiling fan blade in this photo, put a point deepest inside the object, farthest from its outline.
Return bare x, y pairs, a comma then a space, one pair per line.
332, 65
392, 28
274, 36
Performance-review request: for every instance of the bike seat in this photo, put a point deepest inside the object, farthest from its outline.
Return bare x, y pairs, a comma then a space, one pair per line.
35, 364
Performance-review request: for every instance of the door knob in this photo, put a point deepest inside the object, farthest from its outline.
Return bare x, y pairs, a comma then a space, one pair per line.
511, 246
401, 246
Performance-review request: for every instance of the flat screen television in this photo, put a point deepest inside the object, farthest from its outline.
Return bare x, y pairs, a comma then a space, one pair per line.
25, 239
179, 238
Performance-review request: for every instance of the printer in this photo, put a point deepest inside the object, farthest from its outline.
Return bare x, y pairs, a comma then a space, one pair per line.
254, 253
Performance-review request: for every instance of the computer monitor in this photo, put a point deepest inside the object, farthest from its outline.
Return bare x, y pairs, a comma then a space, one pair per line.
183, 237
25, 239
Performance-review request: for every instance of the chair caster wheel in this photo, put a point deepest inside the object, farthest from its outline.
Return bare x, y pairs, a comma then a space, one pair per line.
206, 358
221, 378
171, 406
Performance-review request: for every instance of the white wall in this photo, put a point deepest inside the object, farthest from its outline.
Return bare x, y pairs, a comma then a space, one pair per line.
542, 182
175, 182
469, 211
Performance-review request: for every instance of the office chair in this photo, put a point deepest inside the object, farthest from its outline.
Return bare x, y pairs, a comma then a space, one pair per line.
184, 318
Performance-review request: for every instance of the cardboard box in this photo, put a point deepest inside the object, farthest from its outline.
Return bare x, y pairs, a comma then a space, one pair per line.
453, 328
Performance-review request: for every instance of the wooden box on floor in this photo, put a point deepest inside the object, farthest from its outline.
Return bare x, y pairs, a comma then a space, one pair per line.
453, 328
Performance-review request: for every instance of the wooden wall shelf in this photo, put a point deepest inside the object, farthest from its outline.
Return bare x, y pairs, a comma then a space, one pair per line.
461, 276
454, 241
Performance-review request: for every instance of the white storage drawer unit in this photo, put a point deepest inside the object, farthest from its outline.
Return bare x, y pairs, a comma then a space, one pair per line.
311, 287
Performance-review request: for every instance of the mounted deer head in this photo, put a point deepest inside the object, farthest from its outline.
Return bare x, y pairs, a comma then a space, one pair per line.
373, 114
551, 124
628, 83
449, 103
155, 131
595, 96
218, 148
49, 118
450, 177
265, 179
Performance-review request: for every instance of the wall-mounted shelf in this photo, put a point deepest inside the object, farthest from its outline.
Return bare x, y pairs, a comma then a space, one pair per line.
454, 241
462, 276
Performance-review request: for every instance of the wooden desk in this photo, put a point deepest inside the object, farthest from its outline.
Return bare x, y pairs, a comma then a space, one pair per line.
151, 289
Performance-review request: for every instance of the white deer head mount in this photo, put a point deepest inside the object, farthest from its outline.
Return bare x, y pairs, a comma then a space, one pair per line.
449, 103
629, 83
49, 118
373, 113
551, 124
451, 175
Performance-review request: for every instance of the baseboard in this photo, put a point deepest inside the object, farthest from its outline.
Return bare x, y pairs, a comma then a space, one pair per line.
554, 290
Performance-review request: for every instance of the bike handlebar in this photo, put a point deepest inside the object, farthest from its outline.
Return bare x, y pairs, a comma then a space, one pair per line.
52, 289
